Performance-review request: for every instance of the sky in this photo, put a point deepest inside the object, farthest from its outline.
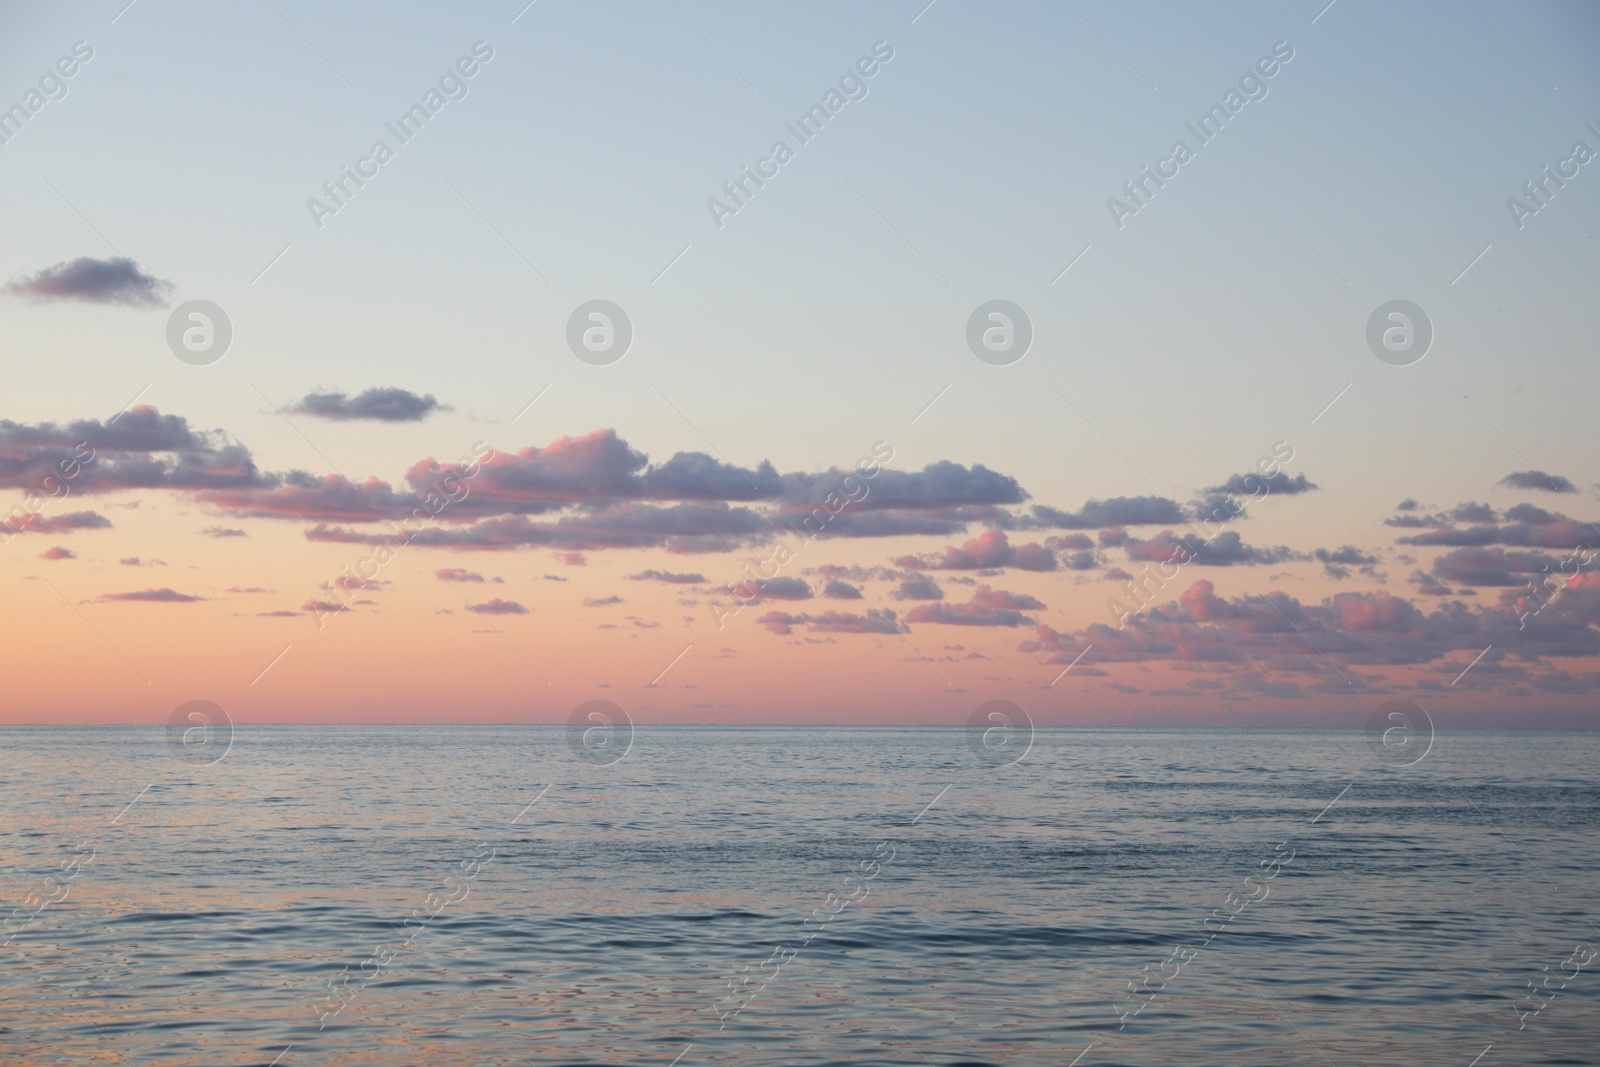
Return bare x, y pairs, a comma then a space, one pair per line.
1188, 482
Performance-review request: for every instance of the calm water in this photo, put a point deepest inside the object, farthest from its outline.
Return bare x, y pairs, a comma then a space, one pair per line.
626, 914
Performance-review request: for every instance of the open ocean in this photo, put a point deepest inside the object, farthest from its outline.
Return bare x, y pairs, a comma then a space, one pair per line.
797, 895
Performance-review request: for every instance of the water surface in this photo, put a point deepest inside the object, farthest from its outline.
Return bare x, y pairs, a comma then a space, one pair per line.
564, 912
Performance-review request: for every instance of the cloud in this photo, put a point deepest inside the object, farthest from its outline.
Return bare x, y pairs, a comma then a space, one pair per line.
576, 494
856, 574
57, 552
938, 485
840, 590
696, 527
1336, 562
990, 549
457, 574
1428, 585
352, 582
594, 491
918, 587
1472, 512
1563, 682
597, 469
602, 602
1118, 511
95, 281
1231, 499
611, 500
946, 522
248, 589
323, 607
222, 532
496, 606
1277, 632
138, 449
779, 588
1224, 550
1550, 483
973, 613
332, 497
1492, 566
158, 596
1524, 526
37, 522
943, 498
1530, 513
376, 405
835, 622
1276, 484
999, 598
1467, 512
653, 575
697, 476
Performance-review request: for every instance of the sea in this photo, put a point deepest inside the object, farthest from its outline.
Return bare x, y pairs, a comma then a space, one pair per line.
676, 896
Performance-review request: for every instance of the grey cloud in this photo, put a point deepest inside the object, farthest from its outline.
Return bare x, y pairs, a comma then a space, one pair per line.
382, 404
918, 587
1550, 483
1492, 566
1224, 550
95, 281
1117, 511
671, 578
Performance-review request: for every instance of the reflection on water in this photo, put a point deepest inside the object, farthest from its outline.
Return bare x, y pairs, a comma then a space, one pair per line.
765, 896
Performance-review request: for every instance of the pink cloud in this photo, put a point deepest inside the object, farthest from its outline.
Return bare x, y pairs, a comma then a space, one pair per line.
1276, 632
989, 549
457, 574
351, 582
999, 598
